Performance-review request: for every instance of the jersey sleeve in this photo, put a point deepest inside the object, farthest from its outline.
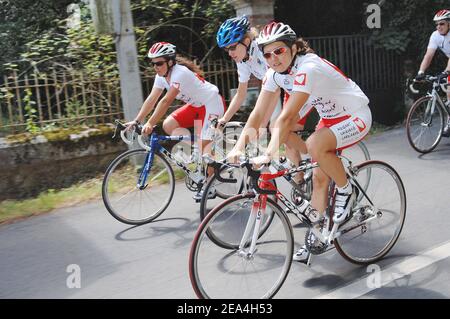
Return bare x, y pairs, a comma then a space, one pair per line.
243, 72
159, 82
304, 79
268, 82
434, 41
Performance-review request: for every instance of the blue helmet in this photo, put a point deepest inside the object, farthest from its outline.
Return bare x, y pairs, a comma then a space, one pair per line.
232, 31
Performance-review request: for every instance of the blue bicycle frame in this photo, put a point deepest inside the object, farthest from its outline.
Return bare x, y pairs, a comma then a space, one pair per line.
155, 147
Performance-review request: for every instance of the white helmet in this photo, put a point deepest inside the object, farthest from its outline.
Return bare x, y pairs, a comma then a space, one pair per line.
442, 15
160, 49
275, 31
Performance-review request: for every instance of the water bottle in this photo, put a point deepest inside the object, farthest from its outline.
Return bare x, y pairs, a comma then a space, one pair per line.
180, 155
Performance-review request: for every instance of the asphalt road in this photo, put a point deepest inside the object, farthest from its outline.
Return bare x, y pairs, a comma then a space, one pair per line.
40, 256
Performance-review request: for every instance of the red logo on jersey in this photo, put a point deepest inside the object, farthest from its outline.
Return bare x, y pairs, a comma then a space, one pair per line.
360, 124
264, 80
335, 68
300, 79
200, 78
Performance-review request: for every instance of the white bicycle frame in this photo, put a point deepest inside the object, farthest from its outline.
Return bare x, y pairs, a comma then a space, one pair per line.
325, 236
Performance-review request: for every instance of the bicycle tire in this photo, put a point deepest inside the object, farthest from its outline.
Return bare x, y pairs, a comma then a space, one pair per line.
410, 121
201, 241
363, 249
130, 172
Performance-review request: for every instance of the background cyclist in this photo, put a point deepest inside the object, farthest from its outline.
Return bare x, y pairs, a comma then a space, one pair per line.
439, 39
182, 80
237, 38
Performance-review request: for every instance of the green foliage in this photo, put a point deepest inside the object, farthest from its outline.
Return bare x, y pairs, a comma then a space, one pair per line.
406, 25
190, 24
22, 21
69, 48
30, 112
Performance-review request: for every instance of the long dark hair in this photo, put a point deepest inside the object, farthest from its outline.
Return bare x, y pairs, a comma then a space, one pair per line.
303, 47
189, 64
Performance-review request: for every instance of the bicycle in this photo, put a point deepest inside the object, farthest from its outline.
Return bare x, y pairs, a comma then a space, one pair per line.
243, 270
425, 121
358, 153
139, 184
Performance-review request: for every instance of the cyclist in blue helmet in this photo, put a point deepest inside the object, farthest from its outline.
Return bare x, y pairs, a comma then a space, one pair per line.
237, 38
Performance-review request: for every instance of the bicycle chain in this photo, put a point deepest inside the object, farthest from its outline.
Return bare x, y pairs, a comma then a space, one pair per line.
315, 247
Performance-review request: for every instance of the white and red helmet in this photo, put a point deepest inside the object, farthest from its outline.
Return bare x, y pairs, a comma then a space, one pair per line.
442, 15
162, 49
275, 31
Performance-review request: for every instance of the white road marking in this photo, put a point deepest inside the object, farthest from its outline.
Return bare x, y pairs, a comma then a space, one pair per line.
391, 273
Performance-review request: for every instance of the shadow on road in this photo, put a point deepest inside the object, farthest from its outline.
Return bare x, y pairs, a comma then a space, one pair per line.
438, 154
185, 232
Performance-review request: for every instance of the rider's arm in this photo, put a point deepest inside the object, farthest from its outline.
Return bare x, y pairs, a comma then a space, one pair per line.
263, 104
285, 121
427, 60
163, 106
448, 66
237, 101
149, 104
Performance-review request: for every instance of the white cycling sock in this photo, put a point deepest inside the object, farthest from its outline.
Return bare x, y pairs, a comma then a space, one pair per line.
347, 189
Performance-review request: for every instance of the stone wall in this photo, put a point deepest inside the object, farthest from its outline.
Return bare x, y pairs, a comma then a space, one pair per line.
32, 164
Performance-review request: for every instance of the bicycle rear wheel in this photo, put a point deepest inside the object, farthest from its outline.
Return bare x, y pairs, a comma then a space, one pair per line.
122, 196
376, 224
424, 125
216, 272
357, 153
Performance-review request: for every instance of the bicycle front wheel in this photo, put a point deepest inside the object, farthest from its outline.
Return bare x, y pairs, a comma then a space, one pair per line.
122, 196
378, 217
424, 124
216, 272
228, 189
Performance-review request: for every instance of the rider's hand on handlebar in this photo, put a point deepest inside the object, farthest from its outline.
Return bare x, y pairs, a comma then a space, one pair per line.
260, 161
234, 156
420, 76
221, 124
147, 129
131, 125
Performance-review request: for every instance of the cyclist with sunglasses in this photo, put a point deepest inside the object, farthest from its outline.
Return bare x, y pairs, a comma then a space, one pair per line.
312, 82
182, 80
439, 39
237, 38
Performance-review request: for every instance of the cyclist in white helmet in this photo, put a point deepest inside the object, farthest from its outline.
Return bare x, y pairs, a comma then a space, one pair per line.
342, 106
439, 39
237, 38
182, 80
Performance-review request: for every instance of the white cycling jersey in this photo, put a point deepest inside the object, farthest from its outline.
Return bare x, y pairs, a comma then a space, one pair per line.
194, 89
256, 64
331, 92
440, 42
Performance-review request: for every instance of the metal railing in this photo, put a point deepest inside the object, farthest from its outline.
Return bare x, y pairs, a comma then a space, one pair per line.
74, 98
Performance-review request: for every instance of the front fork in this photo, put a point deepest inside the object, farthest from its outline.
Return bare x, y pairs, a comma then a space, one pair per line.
429, 111
254, 222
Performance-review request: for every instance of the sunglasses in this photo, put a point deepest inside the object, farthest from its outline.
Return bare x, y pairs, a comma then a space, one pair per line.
231, 47
276, 52
440, 23
159, 63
